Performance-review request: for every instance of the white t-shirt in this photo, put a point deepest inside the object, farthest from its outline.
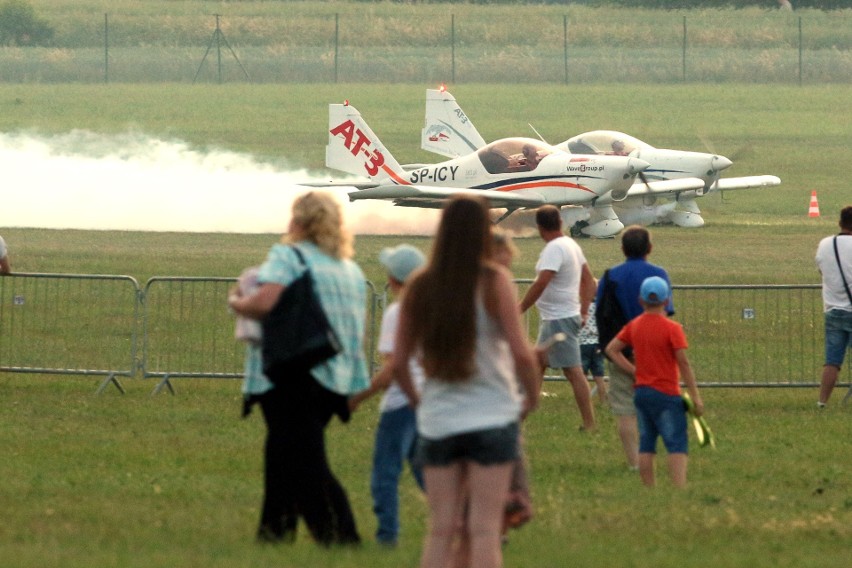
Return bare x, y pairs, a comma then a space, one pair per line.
834, 295
394, 398
561, 297
3, 250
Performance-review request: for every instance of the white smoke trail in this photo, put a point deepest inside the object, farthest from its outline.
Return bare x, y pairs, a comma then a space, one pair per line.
83, 180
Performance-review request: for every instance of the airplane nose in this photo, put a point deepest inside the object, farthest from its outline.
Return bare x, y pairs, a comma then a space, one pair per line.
719, 163
635, 165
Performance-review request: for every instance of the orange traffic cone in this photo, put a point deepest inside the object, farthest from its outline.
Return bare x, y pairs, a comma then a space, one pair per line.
813, 210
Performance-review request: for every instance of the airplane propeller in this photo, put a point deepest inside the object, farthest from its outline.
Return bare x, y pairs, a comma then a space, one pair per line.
649, 199
719, 162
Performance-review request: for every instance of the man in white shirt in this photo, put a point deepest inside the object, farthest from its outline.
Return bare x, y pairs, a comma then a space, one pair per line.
562, 291
834, 260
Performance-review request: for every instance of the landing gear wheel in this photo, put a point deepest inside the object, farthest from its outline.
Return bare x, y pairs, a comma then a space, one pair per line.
577, 230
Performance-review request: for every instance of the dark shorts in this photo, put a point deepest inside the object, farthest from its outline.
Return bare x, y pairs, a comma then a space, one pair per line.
660, 415
485, 447
592, 359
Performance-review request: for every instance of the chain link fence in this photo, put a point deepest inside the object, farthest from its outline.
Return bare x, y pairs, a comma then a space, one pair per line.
431, 47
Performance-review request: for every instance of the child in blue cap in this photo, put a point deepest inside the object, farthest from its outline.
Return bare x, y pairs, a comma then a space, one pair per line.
659, 347
396, 433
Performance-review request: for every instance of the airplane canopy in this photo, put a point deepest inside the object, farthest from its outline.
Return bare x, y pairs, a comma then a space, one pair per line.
510, 155
607, 142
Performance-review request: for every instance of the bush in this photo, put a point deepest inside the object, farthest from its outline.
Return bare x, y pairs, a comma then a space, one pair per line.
20, 26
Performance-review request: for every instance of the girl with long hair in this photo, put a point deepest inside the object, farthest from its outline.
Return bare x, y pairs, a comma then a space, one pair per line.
460, 318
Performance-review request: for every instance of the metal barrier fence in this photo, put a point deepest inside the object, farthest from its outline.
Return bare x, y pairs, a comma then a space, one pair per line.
753, 335
69, 324
742, 336
748, 335
187, 332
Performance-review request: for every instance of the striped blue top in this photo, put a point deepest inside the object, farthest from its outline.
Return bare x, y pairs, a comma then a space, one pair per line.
342, 289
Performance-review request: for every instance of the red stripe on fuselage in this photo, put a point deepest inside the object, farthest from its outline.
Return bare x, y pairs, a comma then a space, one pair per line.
395, 177
536, 184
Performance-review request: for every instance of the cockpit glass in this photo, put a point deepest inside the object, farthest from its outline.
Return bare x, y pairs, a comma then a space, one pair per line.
511, 155
604, 142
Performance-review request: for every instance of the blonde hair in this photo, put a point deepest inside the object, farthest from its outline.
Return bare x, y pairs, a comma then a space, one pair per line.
320, 218
501, 240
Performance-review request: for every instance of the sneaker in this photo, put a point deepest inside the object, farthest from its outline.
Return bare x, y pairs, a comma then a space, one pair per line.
820, 405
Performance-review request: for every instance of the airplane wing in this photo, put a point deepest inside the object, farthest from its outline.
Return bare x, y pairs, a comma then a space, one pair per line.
668, 187
641, 207
674, 187
748, 182
339, 184
434, 197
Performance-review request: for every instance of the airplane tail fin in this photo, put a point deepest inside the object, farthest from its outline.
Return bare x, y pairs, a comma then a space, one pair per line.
354, 148
448, 131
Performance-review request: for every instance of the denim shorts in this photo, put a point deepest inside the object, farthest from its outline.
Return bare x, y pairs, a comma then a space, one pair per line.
663, 415
486, 447
592, 359
565, 353
838, 336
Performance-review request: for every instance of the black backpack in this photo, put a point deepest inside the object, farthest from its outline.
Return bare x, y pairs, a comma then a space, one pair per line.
609, 316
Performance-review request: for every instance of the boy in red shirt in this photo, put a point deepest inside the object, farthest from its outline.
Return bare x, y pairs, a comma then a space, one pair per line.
659, 348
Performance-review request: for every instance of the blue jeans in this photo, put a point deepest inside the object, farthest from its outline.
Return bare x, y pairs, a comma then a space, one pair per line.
838, 336
396, 438
663, 415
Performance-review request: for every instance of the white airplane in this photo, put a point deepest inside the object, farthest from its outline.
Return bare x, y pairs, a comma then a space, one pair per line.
512, 173
666, 190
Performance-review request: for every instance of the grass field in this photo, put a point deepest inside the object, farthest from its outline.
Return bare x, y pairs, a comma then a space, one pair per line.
135, 481
175, 481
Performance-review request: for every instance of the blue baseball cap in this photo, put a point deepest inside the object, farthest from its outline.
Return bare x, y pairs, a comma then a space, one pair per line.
654, 290
401, 261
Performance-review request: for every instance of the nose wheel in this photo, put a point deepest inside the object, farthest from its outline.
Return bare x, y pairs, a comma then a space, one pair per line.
577, 230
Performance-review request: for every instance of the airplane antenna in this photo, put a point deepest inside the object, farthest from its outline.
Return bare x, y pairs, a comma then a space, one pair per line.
540, 137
